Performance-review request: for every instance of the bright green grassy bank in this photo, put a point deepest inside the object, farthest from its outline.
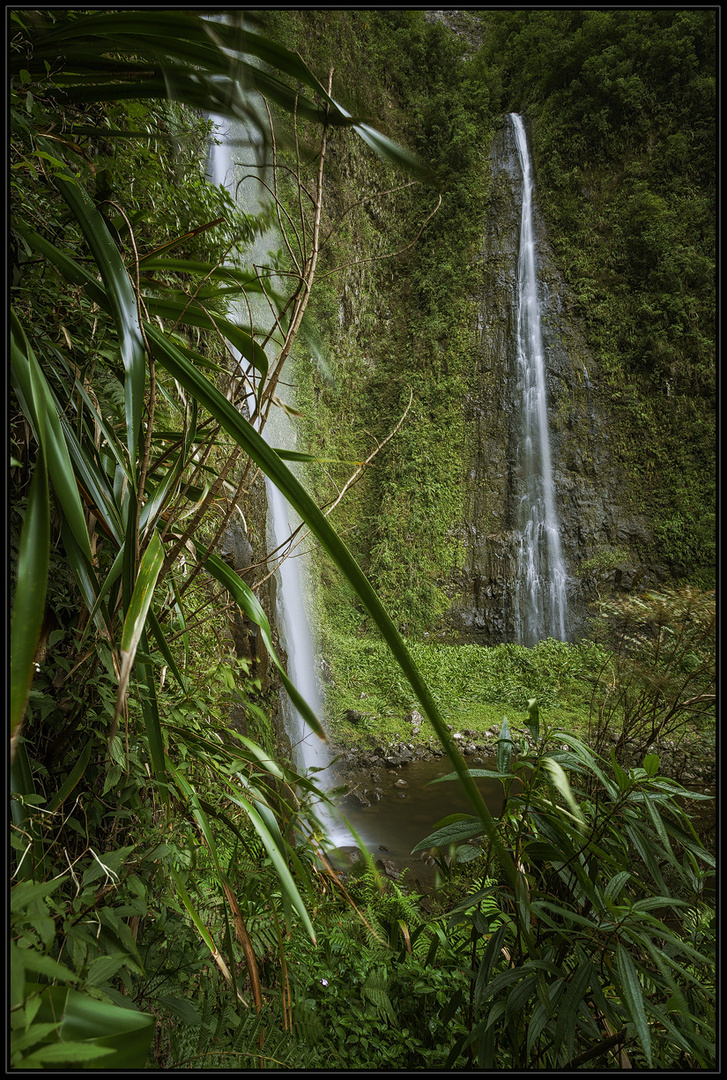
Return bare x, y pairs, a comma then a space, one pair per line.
474, 686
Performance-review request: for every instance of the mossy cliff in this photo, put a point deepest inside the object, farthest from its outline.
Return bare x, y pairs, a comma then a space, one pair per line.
631, 429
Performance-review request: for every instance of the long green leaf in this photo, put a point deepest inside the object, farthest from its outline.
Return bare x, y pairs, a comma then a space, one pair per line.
152, 718
30, 593
72, 779
71, 270
123, 304
37, 402
191, 314
224, 79
286, 878
560, 781
136, 614
158, 634
633, 998
252, 442
246, 599
196, 918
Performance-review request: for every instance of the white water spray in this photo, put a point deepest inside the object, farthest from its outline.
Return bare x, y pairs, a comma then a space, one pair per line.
309, 752
540, 595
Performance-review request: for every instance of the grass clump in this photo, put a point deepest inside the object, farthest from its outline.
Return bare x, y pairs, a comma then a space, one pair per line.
472, 684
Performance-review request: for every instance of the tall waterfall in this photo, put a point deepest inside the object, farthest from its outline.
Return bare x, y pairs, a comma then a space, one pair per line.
308, 750
540, 595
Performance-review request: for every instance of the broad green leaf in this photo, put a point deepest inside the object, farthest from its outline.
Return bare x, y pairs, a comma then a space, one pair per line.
504, 748
492, 773
622, 778
560, 781
36, 1033
25, 893
651, 764
125, 1032
66, 1053
46, 965
466, 853
181, 1008
616, 884
136, 614
450, 834
633, 998
104, 968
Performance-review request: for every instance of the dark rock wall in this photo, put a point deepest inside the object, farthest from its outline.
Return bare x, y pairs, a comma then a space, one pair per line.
601, 533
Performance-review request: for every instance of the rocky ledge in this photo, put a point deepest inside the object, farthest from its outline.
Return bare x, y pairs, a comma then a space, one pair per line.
689, 762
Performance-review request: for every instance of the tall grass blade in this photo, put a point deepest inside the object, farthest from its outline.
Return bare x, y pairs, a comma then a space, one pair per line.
36, 401
633, 998
136, 614
123, 304
30, 593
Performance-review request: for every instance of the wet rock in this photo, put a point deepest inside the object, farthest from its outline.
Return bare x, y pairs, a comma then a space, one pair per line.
235, 548
389, 867
394, 760
401, 783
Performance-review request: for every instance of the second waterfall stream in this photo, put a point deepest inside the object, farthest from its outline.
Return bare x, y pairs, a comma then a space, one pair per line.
540, 601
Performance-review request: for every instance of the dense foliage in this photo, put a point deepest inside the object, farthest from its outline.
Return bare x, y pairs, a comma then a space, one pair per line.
623, 110
169, 904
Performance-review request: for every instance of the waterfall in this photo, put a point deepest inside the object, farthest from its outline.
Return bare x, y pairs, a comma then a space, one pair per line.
309, 752
540, 594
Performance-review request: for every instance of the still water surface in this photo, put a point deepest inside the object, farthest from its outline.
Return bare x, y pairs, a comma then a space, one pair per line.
405, 815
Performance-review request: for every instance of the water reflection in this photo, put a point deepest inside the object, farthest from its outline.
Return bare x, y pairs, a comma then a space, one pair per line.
408, 810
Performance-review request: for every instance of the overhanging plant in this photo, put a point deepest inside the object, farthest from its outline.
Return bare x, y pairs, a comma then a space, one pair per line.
124, 499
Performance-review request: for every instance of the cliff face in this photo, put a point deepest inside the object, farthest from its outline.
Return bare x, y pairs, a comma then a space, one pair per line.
601, 533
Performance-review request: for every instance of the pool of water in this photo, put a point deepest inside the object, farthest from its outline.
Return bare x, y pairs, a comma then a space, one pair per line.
407, 810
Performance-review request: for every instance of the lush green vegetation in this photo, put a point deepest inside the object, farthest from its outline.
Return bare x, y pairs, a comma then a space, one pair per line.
471, 684
622, 105
397, 314
621, 117
170, 907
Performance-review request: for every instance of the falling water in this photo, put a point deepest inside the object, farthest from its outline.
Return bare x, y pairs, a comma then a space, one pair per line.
309, 752
540, 596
